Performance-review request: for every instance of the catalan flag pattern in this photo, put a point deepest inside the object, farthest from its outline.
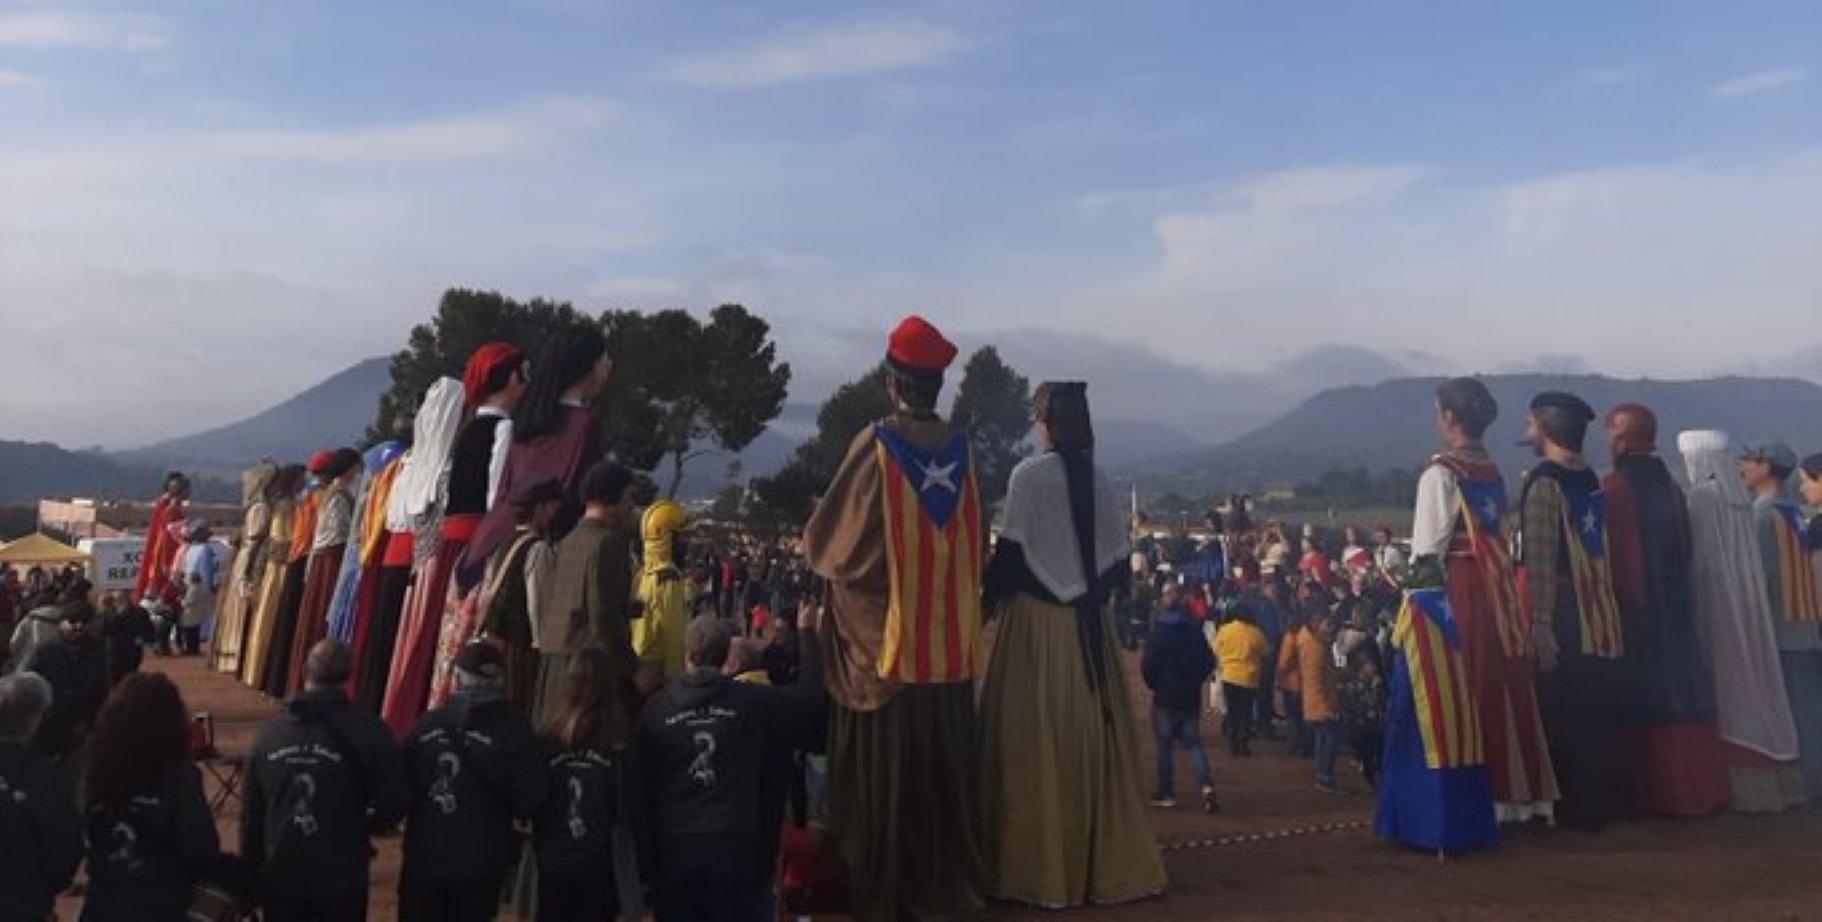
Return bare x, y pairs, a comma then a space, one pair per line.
1428, 636
1585, 531
1797, 580
934, 553
1483, 507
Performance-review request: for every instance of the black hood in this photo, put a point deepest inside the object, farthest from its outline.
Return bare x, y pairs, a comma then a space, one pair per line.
314, 706
699, 687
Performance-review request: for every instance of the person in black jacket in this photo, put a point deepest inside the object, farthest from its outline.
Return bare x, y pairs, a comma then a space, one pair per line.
126, 631
150, 835
322, 778
705, 743
475, 771
589, 835
1177, 664
74, 665
40, 830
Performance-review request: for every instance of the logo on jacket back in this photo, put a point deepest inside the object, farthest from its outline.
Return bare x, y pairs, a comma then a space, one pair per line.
442, 787
702, 768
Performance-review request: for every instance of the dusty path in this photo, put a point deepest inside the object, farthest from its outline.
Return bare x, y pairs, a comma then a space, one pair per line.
1731, 867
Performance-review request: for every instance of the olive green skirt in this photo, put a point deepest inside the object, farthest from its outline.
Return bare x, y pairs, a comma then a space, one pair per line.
1063, 793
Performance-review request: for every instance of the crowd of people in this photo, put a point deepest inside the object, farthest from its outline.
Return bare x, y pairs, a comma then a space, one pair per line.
575, 707
1615, 647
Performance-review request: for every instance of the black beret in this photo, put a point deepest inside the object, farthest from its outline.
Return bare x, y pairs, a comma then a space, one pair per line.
606, 482
1565, 401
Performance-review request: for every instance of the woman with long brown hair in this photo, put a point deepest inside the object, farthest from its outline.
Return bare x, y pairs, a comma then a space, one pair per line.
588, 821
150, 833
1062, 793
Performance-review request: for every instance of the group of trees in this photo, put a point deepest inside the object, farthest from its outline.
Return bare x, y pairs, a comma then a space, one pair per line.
681, 387
684, 387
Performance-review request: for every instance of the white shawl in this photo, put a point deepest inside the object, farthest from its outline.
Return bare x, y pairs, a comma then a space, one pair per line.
1733, 608
420, 483
1037, 516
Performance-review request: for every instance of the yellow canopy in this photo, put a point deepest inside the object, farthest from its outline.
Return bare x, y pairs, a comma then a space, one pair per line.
40, 548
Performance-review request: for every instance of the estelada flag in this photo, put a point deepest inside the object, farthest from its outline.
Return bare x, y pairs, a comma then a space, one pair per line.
1585, 531
1797, 581
1483, 507
934, 556
1426, 633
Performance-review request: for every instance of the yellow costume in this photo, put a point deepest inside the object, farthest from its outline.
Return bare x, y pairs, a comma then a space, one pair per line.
658, 635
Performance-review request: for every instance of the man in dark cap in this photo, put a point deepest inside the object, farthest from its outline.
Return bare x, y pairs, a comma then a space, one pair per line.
1673, 745
512, 587
1796, 603
901, 518
1568, 591
589, 598
474, 771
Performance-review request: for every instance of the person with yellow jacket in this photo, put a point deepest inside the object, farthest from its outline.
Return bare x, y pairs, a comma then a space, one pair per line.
1240, 650
658, 635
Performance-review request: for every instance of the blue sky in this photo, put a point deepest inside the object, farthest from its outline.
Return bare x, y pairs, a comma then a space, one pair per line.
239, 199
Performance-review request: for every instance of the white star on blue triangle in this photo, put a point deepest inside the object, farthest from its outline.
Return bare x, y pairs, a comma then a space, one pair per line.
939, 476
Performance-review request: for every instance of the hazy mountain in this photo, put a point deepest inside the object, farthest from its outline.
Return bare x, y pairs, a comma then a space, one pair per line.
334, 412
30, 471
1392, 424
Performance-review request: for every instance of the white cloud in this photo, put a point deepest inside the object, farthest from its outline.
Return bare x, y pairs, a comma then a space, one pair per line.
854, 49
1764, 81
457, 138
53, 28
16, 78
1651, 268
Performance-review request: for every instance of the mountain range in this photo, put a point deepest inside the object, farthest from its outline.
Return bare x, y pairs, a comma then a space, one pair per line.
1389, 424
1392, 425
338, 410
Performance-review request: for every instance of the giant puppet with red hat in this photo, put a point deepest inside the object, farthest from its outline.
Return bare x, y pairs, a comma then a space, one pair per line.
493, 380
899, 538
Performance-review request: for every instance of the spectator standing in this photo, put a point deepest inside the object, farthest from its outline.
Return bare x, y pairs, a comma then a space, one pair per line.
1177, 664
42, 623
1290, 685
1363, 699
74, 665
587, 838
150, 835
706, 743
200, 574
474, 771
126, 631
323, 777
1321, 704
40, 830
1241, 649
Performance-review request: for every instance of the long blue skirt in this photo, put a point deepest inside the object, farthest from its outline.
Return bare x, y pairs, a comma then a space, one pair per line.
1447, 810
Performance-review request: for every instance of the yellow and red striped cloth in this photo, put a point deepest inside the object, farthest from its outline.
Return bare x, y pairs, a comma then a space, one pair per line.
1426, 633
934, 555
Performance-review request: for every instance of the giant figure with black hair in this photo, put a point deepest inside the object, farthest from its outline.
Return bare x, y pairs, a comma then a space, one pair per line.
1066, 824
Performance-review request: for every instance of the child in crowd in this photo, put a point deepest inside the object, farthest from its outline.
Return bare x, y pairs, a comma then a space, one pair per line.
1363, 700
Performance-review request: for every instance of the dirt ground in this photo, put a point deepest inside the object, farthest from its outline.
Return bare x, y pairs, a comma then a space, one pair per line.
1275, 852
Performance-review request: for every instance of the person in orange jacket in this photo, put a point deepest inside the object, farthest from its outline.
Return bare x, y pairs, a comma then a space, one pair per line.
1290, 684
1321, 702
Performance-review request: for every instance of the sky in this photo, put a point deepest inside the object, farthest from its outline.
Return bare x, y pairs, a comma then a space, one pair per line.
206, 207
